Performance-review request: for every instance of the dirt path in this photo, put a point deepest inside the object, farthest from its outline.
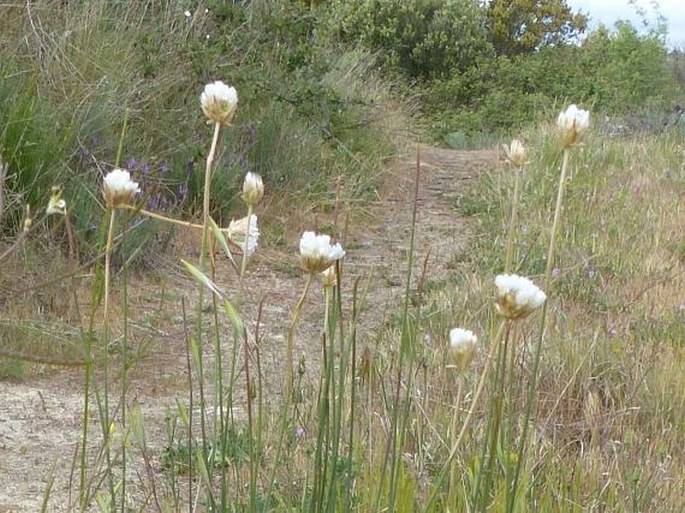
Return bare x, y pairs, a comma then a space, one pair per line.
40, 417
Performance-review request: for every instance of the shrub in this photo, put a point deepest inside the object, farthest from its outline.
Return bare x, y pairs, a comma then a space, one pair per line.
617, 73
422, 39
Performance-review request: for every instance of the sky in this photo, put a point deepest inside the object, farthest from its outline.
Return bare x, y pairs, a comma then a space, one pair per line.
609, 11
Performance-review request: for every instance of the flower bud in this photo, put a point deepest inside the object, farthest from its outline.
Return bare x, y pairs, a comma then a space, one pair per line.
516, 153
329, 277
253, 189
463, 347
572, 125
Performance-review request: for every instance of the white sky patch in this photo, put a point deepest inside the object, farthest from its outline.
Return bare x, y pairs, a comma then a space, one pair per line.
610, 11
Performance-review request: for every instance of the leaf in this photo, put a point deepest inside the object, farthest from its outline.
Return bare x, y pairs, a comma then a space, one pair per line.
202, 279
233, 316
219, 236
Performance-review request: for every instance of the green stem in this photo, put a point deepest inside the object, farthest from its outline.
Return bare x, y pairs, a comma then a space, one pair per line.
337, 399
532, 389
108, 259
324, 458
250, 427
453, 435
511, 236
289, 347
203, 255
287, 394
474, 402
555, 224
353, 395
120, 148
84, 486
83, 494
124, 378
495, 433
243, 264
208, 186
104, 405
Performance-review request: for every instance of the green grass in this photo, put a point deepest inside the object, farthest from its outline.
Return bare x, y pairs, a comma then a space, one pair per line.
69, 73
616, 323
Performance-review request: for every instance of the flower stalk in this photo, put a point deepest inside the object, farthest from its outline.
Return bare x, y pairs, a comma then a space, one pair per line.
532, 389
288, 390
108, 261
511, 236
246, 245
474, 402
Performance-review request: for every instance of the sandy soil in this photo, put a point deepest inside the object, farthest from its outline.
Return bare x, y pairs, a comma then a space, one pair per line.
40, 416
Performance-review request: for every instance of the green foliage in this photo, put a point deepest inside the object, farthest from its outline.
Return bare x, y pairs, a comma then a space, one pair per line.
618, 73
422, 39
524, 26
628, 71
298, 123
32, 150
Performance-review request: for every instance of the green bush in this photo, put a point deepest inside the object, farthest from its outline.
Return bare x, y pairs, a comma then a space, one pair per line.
627, 72
423, 39
617, 73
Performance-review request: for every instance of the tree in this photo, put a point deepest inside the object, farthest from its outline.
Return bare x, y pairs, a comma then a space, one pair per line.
524, 26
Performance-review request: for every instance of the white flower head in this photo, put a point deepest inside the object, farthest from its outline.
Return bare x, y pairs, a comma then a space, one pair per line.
253, 189
572, 125
516, 153
316, 252
463, 345
517, 296
219, 102
237, 230
118, 188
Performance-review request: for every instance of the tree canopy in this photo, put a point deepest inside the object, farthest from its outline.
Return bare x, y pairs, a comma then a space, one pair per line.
523, 26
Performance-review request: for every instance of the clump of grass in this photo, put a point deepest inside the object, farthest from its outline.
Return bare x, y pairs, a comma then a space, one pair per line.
82, 66
616, 272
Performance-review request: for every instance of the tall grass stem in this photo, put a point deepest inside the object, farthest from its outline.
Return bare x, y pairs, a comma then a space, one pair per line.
291, 341
511, 236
